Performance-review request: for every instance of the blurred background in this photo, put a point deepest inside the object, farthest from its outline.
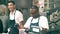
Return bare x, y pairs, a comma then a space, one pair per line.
50, 9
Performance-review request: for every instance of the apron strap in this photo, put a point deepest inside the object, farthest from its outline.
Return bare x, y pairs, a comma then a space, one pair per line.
38, 20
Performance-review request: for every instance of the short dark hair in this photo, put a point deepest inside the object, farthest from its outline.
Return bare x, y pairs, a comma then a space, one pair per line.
35, 7
11, 2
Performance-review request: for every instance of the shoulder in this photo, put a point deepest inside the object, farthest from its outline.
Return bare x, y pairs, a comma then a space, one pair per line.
43, 17
30, 18
18, 11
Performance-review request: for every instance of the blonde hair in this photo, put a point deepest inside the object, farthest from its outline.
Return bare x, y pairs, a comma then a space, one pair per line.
3, 9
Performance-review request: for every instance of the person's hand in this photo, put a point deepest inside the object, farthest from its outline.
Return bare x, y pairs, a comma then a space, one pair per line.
27, 30
16, 25
21, 31
9, 29
44, 30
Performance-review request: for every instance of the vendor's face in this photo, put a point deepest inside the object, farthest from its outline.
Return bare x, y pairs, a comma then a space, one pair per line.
33, 13
11, 6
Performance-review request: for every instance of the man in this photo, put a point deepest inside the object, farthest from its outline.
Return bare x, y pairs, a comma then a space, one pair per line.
15, 17
36, 23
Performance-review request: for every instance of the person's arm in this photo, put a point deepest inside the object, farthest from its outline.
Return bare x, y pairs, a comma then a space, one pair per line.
19, 19
21, 25
27, 24
44, 24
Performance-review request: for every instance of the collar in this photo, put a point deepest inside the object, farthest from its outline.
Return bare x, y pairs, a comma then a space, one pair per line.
13, 11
